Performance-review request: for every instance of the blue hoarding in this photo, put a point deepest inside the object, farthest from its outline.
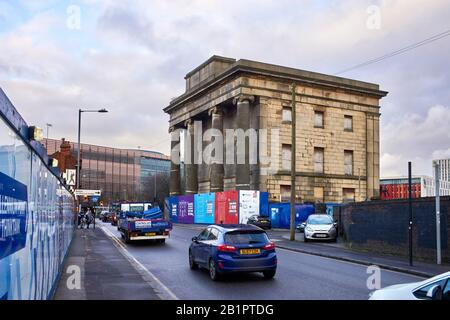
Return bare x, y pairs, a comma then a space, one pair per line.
204, 208
264, 204
13, 215
36, 214
173, 208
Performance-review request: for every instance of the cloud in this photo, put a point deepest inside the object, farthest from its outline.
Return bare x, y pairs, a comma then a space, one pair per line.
131, 57
417, 139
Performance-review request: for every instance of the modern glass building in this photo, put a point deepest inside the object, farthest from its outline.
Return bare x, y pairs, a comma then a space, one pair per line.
119, 173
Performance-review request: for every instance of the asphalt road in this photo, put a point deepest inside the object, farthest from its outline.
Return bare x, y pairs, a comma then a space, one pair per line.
299, 276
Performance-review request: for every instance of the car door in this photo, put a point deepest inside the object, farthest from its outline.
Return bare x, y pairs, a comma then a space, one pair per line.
208, 245
199, 246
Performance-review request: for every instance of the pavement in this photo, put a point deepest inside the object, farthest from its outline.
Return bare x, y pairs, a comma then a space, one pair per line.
340, 252
299, 276
105, 273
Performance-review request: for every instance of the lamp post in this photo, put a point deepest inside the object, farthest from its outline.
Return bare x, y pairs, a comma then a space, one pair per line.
49, 125
80, 111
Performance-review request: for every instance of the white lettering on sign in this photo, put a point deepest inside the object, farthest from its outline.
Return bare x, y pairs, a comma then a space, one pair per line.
142, 224
190, 209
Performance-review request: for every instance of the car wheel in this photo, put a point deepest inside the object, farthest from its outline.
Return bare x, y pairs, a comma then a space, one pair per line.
192, 263
305, 238
162, 241
213, 273
269, 274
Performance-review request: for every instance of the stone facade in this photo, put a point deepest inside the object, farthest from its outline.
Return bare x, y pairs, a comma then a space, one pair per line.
230, 94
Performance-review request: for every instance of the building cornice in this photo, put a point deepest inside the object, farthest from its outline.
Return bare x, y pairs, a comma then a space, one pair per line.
282, 73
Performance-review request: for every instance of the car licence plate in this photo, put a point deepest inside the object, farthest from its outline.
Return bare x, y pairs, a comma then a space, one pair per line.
321, 235
250, 251
149, 234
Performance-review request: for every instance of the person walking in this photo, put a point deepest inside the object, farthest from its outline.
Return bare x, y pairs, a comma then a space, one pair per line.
80, 219
89, 218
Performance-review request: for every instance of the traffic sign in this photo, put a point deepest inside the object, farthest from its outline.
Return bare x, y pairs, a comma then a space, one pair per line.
87, 193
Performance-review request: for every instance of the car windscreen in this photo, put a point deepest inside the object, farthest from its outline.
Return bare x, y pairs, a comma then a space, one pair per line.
320, 220
245, 237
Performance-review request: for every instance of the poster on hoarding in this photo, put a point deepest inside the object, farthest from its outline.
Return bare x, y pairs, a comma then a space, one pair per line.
248, 205
13, 215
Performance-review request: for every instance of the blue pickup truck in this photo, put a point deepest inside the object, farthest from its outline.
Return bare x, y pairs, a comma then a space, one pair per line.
146, 225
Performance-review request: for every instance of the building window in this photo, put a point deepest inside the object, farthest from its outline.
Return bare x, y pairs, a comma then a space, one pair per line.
287, 114
318, 119
348, 162
286, 156
318, 160
348, 194
348, 123
318, 194
285, 193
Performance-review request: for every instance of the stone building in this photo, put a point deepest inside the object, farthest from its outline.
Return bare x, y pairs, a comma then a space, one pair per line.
337, 148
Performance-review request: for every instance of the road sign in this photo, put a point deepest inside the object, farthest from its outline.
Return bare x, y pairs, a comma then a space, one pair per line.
70, 176
88, 193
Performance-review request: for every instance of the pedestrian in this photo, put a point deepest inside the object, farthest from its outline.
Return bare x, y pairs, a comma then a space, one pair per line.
80, 219
89, 218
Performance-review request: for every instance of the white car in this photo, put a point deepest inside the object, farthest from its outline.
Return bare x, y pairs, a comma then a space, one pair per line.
436, 288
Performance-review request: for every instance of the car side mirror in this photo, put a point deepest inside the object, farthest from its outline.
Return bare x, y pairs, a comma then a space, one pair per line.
435, 293
194, 239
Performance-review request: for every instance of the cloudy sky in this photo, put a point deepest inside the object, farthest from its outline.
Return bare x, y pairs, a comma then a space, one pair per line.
131, 57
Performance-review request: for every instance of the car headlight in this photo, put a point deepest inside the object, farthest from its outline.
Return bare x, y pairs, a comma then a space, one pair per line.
308, 229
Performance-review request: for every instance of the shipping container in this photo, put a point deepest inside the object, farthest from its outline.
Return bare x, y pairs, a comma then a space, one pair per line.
330, 207
173, 208
248, 205
303, 211
280, 214
264, 204
186, 209
226, 207
204, 205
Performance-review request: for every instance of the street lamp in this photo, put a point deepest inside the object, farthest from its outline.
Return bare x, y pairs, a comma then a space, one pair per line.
49, 125
80, 111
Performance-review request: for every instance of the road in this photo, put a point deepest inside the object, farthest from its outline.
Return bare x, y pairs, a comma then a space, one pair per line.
299, 276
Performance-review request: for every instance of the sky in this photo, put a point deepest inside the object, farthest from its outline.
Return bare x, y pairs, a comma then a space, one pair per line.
131, 58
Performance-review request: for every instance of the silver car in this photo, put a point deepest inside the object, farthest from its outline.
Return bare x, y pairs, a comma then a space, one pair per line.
320, 227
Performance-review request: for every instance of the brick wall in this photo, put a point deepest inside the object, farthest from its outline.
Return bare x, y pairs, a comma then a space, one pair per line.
382, 227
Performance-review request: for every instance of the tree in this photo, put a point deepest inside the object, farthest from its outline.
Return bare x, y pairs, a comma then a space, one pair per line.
160, 180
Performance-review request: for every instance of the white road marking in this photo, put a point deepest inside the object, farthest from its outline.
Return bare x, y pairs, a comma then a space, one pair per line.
163, 291
349, 262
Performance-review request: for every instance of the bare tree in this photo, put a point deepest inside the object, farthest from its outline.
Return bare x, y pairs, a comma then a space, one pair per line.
155, 188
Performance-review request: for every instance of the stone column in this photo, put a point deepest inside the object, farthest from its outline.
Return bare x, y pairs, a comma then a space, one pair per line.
243, 121
189, 159
175, 161
216, 170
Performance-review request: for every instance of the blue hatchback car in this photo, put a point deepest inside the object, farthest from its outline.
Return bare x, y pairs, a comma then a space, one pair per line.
233, 248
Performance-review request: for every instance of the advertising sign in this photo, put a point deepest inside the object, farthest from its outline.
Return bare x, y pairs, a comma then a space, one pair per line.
13, 215
248, 205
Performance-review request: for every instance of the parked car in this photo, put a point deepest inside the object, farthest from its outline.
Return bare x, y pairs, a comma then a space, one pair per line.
226, 249
436, 288
301, 227
320, 227
259, 221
